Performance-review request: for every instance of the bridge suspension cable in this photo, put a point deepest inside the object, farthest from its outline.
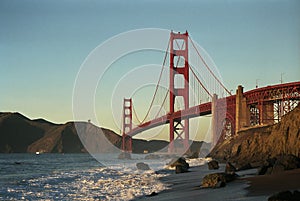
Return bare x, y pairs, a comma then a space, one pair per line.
162, 105
135, 114
208, 68
157, 86
199, 81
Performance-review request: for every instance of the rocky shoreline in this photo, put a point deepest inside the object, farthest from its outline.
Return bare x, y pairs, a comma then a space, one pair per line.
245, 185
260, 163
187, 186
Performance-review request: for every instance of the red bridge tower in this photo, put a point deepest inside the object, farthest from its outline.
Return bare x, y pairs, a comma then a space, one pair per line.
127, 125
179, 72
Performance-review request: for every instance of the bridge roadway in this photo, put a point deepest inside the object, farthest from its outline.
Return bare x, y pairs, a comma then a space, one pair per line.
265, 94
202, 109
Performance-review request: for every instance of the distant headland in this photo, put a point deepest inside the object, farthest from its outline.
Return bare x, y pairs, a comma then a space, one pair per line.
19, 134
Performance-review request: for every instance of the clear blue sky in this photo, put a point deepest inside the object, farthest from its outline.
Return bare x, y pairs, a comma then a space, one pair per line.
43, 43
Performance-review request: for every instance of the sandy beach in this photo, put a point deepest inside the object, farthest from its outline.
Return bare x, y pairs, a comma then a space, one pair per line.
248, 187
270, 184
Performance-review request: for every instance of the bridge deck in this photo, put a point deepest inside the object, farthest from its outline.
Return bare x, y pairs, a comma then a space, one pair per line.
269, 93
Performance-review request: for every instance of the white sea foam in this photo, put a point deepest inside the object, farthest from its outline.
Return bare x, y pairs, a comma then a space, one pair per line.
197, 161
91, 184
78, 178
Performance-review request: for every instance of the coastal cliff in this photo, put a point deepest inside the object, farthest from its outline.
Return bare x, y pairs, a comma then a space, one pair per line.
255, 145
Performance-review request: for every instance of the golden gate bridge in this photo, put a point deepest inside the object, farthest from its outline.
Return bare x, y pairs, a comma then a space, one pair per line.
230, 113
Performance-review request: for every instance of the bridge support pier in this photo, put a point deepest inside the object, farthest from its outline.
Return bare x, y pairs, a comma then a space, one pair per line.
266, 112
242, 117
214, 112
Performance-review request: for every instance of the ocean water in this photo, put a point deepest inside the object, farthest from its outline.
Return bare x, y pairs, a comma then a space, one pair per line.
76, 177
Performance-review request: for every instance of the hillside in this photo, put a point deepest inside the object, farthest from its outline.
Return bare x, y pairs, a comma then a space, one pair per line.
257, 144
19, 134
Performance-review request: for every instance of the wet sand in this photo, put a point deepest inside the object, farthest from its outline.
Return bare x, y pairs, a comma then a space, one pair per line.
270, 184
186, 186
248, 187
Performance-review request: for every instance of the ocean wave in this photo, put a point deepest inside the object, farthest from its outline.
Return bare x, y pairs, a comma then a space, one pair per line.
91, 184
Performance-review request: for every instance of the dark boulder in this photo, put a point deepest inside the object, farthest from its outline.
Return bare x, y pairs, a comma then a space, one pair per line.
152, 194
279, 164
179, 161
180, 169
297, 195
230, 177
229, 168
285, 196
263, 170
266, 167
216, 180
286, 162
213, 165
180, 165
142, 166
246, 166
